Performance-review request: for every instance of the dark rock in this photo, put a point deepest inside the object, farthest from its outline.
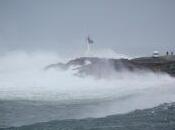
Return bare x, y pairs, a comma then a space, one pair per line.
103, 67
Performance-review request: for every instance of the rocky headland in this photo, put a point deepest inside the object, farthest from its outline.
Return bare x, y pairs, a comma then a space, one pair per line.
103, 67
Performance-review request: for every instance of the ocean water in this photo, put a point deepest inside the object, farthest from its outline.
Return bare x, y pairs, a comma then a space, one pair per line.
157, 118
29, 94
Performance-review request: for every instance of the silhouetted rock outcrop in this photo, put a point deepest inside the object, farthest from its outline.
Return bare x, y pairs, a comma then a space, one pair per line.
104, 67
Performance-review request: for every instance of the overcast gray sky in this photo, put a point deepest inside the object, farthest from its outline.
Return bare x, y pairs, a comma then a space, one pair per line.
128, 26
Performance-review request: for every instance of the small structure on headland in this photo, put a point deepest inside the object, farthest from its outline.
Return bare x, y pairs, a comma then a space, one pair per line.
155, 54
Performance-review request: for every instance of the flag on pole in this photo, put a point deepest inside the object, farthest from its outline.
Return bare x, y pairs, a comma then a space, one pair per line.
90, 41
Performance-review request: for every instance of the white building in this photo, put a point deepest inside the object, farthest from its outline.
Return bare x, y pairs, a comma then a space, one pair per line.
155, 54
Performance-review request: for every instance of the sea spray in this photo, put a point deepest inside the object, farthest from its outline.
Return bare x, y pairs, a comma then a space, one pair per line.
22, 77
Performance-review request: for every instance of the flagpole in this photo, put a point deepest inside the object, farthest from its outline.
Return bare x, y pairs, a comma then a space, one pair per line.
89, 44
88, 48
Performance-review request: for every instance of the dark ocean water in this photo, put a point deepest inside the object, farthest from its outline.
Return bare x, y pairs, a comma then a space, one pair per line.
158, 118
25, 112
22, 112
15, 113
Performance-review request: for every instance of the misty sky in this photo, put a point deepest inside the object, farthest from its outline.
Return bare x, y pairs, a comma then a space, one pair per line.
135, 27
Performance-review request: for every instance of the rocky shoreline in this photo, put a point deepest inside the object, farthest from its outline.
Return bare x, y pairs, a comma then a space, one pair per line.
103, 67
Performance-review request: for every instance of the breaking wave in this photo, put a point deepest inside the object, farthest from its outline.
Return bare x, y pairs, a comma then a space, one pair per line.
22, 77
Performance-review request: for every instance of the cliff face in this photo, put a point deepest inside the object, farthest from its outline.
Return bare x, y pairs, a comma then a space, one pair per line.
102, 67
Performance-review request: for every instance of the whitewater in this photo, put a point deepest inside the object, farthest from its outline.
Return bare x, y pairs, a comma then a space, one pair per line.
23, 78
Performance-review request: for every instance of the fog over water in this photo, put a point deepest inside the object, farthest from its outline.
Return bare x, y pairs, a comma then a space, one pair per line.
22, 77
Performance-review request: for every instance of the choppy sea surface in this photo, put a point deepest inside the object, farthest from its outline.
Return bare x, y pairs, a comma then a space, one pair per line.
158, 118
30, 95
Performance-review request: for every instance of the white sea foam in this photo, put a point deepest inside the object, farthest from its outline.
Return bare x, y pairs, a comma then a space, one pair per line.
22, 77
